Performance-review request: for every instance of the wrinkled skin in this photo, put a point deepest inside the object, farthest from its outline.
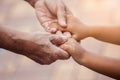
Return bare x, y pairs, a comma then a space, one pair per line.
45, 52
51, 14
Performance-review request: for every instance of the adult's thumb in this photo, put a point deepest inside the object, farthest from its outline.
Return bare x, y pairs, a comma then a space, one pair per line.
58, 40
61, 14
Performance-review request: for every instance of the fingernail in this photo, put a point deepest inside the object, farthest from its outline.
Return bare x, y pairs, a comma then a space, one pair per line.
53, 30
47, 28
67, 34
63, 24
64, 38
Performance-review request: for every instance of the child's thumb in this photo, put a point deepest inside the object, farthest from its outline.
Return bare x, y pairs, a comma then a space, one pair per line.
69, 18
66, 48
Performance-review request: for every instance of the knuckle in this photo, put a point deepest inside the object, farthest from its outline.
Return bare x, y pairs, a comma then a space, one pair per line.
56, 51
66, 47
56, 54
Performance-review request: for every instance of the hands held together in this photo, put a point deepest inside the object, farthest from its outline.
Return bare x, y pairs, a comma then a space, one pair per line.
45, 48
61, 41
56, 18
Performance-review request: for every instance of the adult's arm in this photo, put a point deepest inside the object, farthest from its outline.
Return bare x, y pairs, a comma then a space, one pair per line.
37, 47
9, 42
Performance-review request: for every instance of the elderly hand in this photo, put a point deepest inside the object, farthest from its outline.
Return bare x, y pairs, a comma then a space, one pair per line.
40, 47
51, 14
43, 48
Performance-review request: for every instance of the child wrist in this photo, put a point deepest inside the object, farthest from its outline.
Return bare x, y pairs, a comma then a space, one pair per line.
89, 32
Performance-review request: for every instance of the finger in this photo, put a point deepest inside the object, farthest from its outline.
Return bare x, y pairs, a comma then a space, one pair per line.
69, 46
58, 40
67, 34
43, 14
68, 11
65, 47
69, 19
52, 24
47, 26
59, 52
69, 15
61, 14
76, 37
41, 11
53, 27
59, 33
56, 26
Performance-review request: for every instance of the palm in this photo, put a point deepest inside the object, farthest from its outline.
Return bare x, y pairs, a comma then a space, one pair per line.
44, 14
49, 12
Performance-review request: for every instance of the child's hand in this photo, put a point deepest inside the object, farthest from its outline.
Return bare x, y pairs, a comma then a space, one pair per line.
74, 49
77, 28
74, 26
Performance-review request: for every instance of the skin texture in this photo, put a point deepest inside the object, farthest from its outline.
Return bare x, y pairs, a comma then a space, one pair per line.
47, 15
32, 2
100, 64
80, 31
106, 34
36, 46
95, 62
76, 28
51, 14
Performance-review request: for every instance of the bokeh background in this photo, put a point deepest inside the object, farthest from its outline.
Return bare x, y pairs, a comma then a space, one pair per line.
21, 16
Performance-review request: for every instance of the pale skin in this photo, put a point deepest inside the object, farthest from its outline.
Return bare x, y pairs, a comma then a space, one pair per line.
104, 65
80, 31
40, 47
50, 13
36, 46
103, 33
101, 64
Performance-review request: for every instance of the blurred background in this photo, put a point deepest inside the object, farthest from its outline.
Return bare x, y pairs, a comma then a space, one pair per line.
21, 16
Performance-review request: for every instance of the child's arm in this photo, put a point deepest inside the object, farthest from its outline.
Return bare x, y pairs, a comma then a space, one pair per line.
103, 33
107, 34
100, 64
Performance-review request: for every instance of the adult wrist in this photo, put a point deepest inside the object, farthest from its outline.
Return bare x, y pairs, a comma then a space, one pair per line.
6, 41
21, 36
12, 40
14, 34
